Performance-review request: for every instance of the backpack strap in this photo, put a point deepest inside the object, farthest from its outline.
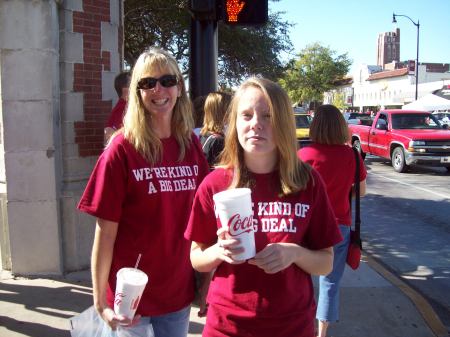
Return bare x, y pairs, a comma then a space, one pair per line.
357, 198
211, 136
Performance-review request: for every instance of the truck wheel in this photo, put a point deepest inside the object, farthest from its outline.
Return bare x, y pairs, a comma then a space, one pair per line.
357, 146
398, 160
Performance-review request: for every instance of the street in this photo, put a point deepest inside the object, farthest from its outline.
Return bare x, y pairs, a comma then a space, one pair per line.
406, 226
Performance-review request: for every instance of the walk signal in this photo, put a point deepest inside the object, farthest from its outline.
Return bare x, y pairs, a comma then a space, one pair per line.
245, 12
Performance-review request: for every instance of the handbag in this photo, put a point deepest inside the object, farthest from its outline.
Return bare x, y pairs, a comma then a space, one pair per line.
355, 245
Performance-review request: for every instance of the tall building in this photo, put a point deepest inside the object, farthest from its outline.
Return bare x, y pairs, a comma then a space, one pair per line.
388, 47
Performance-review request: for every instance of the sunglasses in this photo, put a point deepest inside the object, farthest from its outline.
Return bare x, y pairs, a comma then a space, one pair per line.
166, 81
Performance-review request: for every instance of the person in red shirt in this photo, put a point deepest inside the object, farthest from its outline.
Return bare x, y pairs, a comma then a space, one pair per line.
294, 225
141, 191
335, 160
115, 120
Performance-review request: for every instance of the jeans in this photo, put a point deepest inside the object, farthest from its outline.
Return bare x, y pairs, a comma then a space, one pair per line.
328, 302
174, 324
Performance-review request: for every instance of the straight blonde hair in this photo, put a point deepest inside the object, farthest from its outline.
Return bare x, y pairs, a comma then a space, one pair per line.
215, 109
137, 127
294, 174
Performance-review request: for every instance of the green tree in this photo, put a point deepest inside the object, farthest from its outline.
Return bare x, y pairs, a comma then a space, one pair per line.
243, 51
339, 100
313, 73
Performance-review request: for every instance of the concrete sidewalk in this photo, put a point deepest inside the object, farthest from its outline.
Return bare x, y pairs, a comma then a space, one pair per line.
374, 303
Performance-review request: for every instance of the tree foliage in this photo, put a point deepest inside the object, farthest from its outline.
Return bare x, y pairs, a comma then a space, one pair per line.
314, 72
243, 51
162, 23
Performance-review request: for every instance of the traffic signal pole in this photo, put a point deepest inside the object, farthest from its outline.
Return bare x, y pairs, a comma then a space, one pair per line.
203, 37
203, 46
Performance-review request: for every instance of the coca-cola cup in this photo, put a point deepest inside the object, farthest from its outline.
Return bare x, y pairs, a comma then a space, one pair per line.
130, 285
234, 207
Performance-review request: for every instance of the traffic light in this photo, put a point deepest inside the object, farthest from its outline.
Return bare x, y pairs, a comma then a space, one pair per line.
244, 12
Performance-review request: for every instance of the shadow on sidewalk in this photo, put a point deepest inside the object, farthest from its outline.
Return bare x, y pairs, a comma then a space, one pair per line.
31, 329
41, 307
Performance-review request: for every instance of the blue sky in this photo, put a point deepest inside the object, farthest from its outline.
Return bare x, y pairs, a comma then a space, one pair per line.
350, 26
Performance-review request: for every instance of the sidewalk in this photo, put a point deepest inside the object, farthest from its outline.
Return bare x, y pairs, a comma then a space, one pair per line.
372, 305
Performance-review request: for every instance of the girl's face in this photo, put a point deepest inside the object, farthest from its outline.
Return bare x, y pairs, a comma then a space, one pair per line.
253, 124
159, 100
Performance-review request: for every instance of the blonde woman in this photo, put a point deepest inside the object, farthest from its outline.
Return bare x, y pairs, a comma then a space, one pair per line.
271, 294
212, 134
141, 191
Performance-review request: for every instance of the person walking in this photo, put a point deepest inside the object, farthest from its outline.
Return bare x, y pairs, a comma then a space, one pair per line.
335, 160
141, 191
212, 135
294, 225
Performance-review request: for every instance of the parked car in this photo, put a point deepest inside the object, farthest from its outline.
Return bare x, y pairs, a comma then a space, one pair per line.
443, 117
358, 118
405, 137
354, 115
302, 122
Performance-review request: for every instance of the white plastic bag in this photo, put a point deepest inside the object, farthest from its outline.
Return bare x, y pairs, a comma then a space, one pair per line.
90, 324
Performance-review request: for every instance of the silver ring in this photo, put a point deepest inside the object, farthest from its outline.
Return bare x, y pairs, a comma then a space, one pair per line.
220, 244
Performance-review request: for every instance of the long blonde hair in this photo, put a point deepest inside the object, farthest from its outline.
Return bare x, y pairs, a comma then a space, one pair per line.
294, 174
137, 129
215, 108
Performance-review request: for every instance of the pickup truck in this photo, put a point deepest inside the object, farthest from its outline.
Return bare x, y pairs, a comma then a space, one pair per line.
404, 137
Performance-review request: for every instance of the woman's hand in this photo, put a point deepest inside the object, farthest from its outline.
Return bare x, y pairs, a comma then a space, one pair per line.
206, 258
114, 320
228, 247
275, 257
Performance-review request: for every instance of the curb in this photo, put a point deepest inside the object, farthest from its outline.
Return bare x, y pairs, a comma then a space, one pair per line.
426, 311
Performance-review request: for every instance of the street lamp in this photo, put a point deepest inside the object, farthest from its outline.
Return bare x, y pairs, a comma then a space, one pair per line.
417, 56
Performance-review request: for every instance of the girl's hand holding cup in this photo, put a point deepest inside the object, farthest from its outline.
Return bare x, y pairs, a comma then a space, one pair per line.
228, 247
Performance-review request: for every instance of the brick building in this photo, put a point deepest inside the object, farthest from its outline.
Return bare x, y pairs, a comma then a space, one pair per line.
388, 50
58, 60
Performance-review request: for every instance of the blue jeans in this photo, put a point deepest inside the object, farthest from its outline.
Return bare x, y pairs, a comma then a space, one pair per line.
328, 302
174, 324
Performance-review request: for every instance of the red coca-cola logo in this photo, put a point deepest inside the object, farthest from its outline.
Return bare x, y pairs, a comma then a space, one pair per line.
238, 225
118, 298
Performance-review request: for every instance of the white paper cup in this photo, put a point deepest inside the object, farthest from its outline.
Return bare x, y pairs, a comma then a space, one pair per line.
234, 208
130, 285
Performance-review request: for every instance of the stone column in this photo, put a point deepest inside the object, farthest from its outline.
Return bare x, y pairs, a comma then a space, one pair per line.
30, 155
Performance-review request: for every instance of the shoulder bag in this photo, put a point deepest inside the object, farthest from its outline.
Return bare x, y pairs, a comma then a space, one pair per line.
355, 245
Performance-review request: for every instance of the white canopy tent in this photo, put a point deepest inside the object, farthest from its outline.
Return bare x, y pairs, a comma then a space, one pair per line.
428, 102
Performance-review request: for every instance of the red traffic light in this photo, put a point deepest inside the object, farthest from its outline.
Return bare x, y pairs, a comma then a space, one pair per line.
245, 12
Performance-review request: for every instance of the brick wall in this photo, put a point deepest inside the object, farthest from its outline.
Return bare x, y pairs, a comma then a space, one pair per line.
88, 76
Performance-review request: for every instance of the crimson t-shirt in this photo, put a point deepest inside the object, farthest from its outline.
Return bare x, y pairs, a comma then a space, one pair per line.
243, 299
151, 203
336, 164
115, 119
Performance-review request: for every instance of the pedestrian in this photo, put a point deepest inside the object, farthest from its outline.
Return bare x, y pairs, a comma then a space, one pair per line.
335, 160
212, 135
115, 120
141, 191
271, 294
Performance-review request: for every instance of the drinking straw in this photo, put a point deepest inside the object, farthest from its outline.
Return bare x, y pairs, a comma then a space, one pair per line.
137, 262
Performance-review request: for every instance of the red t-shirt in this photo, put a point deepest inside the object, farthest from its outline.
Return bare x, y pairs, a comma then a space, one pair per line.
243, 299
115, 119
336, 164
152, 206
